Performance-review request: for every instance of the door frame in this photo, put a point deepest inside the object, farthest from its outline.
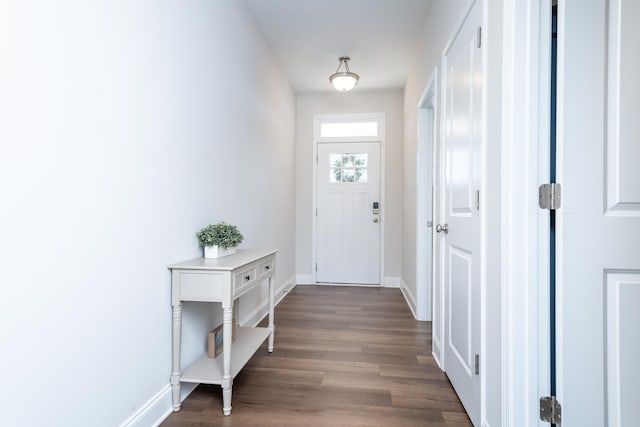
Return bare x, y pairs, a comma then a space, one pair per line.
525, 241
427, 273
318, 120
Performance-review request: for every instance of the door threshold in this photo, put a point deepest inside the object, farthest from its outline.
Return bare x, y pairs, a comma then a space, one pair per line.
370, 285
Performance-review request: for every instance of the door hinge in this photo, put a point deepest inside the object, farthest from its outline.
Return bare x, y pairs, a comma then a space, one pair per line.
477, 200
316, 157
479, 38
316, 212
550, 196
316, 267
477, 364
550, 410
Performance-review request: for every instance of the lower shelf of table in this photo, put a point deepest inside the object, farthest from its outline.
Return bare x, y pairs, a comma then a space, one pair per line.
209, 371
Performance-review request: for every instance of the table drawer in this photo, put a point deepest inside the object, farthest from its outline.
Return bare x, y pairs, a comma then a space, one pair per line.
265, 267
244, 278
198, 286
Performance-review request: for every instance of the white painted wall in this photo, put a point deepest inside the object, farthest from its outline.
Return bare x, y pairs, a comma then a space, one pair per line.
123, 132
307, 105
443, 18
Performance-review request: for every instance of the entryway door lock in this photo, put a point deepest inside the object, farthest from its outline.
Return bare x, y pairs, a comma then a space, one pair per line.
442, 228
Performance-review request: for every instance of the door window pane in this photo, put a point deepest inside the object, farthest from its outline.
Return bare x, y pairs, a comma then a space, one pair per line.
360, 159
348, 167
335, 175
337, 130
348, 175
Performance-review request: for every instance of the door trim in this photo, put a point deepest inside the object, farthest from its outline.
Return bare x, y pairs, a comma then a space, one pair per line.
318, 120
426, 175
526, 28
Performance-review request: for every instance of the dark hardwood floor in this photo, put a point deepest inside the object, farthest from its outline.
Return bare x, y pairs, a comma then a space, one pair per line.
344, 356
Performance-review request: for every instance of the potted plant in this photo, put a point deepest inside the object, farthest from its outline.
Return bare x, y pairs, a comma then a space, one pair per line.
219, 240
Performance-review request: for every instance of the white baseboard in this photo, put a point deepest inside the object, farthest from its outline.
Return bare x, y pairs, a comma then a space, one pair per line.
436, 352
160, 406
305, 279
408, 296
391, 282
284, 290
387, 282
436, 358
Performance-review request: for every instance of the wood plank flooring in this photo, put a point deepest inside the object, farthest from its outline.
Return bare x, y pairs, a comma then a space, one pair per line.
344, 356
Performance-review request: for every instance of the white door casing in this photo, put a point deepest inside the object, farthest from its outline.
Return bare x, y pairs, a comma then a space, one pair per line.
462, 137
598, 224
428, 271
348, 230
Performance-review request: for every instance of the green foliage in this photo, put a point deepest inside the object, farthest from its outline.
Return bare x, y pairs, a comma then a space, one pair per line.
220, 234
348, 167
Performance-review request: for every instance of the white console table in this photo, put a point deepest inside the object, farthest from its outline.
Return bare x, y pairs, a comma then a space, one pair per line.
220, 280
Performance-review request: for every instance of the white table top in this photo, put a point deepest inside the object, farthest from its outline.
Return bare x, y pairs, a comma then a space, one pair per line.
227, 263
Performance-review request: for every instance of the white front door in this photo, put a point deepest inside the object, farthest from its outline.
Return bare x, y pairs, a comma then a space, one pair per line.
348, 224
598, 223
462, 108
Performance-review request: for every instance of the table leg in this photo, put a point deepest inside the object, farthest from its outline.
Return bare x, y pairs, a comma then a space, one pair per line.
271, 319
236, 318
227, 381
175, 355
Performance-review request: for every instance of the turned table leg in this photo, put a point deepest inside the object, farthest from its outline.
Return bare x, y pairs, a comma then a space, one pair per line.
271, 319
176, 338
227, 381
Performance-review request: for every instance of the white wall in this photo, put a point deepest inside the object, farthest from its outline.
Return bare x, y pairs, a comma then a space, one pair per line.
443, 18
123, 131
307, 105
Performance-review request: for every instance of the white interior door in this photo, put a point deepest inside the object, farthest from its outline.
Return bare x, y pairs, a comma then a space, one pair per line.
462, 108
348, 226
598, 224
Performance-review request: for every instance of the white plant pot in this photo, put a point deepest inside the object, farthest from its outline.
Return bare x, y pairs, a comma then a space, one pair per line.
218, 252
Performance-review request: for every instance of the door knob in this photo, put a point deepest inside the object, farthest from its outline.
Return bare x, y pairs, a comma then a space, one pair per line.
442, 228
375, 219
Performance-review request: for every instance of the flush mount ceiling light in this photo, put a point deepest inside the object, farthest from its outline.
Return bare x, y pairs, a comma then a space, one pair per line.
344, 80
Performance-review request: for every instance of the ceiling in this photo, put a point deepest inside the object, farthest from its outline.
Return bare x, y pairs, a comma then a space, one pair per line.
308, 36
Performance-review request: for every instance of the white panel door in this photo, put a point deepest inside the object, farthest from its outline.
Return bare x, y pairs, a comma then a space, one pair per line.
348, 229
462, 108
598, 224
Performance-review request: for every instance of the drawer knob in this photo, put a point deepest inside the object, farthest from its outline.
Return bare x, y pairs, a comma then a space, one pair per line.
247, 278
266, 267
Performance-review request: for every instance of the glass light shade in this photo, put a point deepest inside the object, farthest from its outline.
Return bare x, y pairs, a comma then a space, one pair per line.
344, 81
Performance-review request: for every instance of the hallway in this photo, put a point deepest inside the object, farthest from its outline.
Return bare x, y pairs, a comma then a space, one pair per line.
344, 356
